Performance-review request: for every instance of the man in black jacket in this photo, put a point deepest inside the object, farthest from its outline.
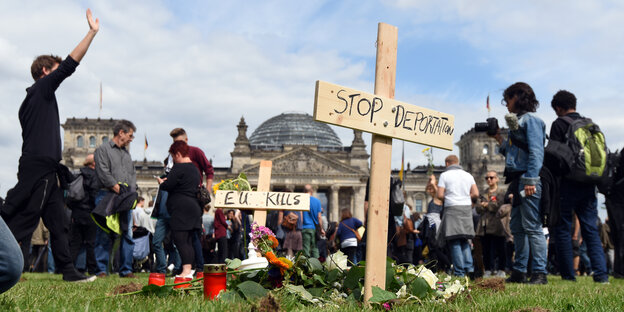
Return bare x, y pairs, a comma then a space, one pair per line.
576, 197
82, 227
38, 192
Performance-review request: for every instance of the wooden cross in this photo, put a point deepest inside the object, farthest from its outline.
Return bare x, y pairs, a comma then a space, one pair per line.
262, 200
385, 118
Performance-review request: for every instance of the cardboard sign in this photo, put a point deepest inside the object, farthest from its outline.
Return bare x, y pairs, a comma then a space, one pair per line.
262, 200
346, 107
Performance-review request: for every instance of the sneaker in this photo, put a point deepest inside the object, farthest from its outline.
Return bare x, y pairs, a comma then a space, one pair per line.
501, 273
77, 277
487, 273
516, 277
538, 279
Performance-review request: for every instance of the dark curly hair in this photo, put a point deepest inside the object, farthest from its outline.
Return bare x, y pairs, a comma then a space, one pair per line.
179, 147
525, 97
47, 61
564, 100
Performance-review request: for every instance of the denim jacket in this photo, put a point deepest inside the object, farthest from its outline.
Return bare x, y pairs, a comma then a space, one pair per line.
531, 130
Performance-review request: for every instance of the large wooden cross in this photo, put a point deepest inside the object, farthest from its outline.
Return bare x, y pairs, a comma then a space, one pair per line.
385, 118
262, 200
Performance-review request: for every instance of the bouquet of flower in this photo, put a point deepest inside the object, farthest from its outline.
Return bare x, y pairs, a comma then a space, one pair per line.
263, 238
238, 184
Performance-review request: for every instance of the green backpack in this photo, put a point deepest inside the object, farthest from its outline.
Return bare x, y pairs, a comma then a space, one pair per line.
589, 148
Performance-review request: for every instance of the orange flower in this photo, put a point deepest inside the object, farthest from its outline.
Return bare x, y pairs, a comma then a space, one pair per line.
277, 262
274, 240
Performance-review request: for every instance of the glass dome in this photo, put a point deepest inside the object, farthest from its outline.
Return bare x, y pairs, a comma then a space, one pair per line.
294, 129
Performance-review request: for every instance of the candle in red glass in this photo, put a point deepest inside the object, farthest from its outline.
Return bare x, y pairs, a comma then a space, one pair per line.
214, 280
156, 279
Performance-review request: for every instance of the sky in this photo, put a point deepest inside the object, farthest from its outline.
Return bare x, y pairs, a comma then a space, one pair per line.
203, 65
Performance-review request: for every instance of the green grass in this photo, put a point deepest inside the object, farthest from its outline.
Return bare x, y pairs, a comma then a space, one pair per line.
45, 292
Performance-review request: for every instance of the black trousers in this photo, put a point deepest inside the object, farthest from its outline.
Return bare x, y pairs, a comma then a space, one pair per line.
493, 250
83, 235
184, 242
44, 201
222, 249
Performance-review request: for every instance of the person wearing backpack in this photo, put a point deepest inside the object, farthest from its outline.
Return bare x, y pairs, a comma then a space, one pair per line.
82, 228
575, 196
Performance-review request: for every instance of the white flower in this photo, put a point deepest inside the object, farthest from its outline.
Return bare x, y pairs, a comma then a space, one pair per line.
452, 289
402, 292
337, 260
428, 276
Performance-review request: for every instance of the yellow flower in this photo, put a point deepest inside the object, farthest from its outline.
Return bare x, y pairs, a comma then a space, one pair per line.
216, 186
426, 149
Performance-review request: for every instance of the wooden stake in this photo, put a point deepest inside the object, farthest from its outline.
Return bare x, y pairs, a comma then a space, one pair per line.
264, 185
381, 156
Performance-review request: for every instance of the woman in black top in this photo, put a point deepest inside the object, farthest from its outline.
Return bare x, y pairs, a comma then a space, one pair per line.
182, 184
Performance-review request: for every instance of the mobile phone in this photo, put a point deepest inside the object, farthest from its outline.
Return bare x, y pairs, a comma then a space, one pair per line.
522, 193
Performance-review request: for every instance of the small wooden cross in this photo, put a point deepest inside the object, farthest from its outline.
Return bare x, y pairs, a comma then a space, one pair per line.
385, 118
262, 200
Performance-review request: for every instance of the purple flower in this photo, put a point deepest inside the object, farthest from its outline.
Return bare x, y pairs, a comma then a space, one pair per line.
387, 306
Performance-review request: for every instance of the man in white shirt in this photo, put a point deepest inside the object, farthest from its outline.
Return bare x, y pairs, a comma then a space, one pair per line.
457, 188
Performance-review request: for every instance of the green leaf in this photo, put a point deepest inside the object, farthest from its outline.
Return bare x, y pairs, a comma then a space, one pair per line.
380, 295
391, 281
230, 296
319, 279
252, 290
332, 276
233, 264
315, 265
300, 291
316, 292
352, 280
419, 287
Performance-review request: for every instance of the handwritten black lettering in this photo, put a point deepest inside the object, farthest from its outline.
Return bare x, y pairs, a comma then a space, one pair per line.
346, 104
296, 199
352, 96
400, 110
367, 110
228, 198
270, 198
373, 110
243, 198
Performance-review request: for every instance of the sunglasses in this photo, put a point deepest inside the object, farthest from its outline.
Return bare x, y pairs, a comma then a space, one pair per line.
488, 178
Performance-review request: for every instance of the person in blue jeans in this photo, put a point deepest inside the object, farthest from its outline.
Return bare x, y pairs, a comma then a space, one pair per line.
577, 197
457, 188
114, 166
11, 259
162, 228
524, 154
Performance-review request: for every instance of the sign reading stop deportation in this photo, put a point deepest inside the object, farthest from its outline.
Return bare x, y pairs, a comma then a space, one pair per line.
346, 107
262, 200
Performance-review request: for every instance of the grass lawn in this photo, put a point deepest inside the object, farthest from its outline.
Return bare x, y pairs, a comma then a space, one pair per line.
45, 292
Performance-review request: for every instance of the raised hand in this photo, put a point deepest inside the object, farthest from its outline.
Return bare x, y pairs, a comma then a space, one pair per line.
93, 25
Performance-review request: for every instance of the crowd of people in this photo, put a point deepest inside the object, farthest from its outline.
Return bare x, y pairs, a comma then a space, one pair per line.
497, 231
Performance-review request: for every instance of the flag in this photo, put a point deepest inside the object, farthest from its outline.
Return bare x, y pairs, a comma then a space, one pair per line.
145, 148
402, 161
488, 103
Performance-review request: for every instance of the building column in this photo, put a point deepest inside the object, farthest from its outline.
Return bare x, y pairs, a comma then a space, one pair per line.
359, 193
334, 206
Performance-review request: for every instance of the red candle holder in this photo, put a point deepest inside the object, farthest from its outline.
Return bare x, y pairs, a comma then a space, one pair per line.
214, 280
157, 279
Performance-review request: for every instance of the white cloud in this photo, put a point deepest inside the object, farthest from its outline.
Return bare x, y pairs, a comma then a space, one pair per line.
203, 65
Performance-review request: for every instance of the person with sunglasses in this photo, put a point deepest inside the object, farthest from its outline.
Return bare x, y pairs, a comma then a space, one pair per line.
490, 227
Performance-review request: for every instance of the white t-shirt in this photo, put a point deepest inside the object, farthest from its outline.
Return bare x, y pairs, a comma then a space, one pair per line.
456, 184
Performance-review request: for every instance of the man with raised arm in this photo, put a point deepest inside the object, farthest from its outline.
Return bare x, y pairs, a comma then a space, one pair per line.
38, 192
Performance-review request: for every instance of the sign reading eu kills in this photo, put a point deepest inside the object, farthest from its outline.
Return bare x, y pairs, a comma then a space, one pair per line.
359, 110
262, 200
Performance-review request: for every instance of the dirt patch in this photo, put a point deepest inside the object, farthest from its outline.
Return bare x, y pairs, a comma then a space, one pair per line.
122, 289
532, 309
267, 304
22, 279
495, 284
